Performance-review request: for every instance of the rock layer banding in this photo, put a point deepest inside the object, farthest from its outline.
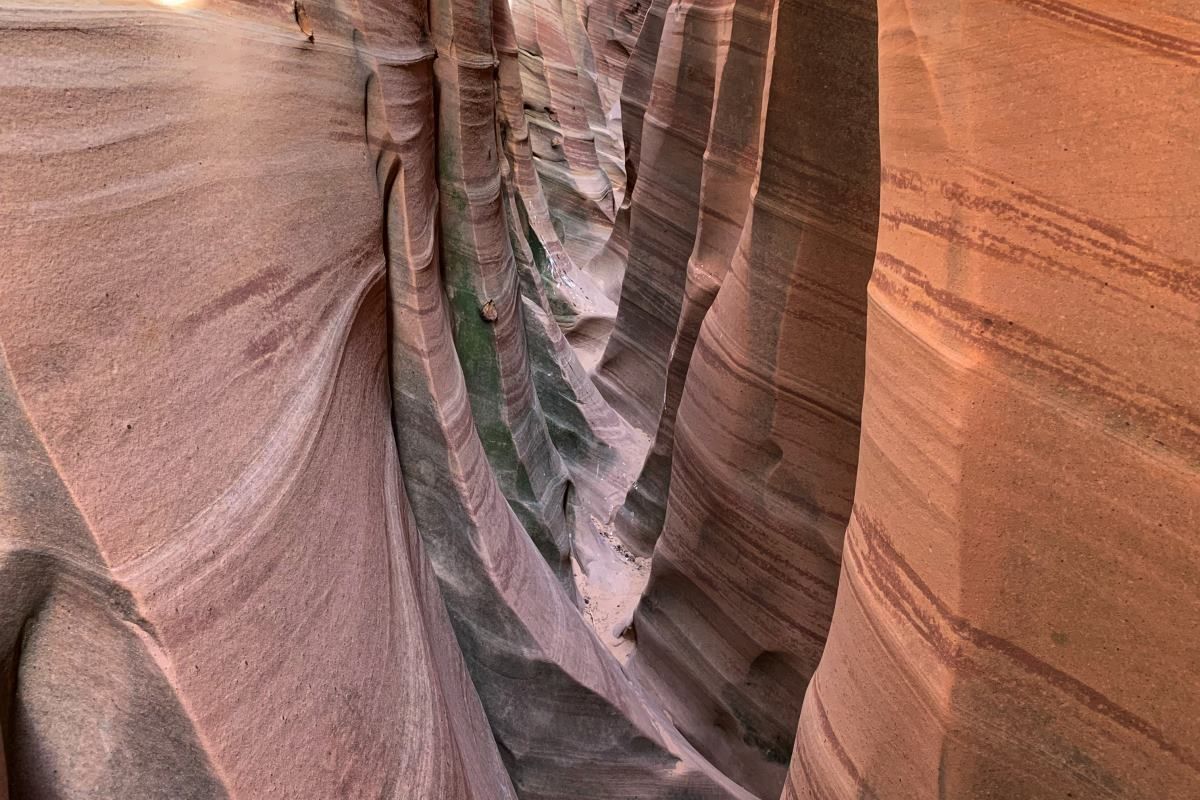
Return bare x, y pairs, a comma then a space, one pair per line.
615, 399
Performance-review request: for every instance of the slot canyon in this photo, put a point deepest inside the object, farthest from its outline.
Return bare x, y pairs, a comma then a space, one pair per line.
600, 399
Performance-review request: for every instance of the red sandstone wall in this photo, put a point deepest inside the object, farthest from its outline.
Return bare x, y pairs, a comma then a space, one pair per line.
474, 401
1018, 589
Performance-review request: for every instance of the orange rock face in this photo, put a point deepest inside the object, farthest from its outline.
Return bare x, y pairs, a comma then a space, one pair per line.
744, 575
1020, 563
212, 581
599, 399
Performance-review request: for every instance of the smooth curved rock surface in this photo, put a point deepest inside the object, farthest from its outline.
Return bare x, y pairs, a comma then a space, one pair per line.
1019, 580
205, 515
664, 209
743, 580
469, 401
729, 168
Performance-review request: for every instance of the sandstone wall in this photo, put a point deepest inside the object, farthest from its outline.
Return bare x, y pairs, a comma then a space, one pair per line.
610, 399
1020, 564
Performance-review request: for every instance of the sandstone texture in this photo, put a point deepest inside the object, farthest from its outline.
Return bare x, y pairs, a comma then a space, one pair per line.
1019, 579
599, 399
744, 575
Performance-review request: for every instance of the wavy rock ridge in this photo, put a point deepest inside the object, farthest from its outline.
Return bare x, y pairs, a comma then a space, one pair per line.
615, 399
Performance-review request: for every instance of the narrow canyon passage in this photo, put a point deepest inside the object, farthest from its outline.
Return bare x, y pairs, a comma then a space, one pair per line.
599, 399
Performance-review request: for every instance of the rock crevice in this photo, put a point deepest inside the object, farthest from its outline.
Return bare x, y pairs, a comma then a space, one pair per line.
600, 399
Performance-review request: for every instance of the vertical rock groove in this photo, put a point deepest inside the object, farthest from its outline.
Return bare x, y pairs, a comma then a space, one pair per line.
744, 576
599, 399
1022, 490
